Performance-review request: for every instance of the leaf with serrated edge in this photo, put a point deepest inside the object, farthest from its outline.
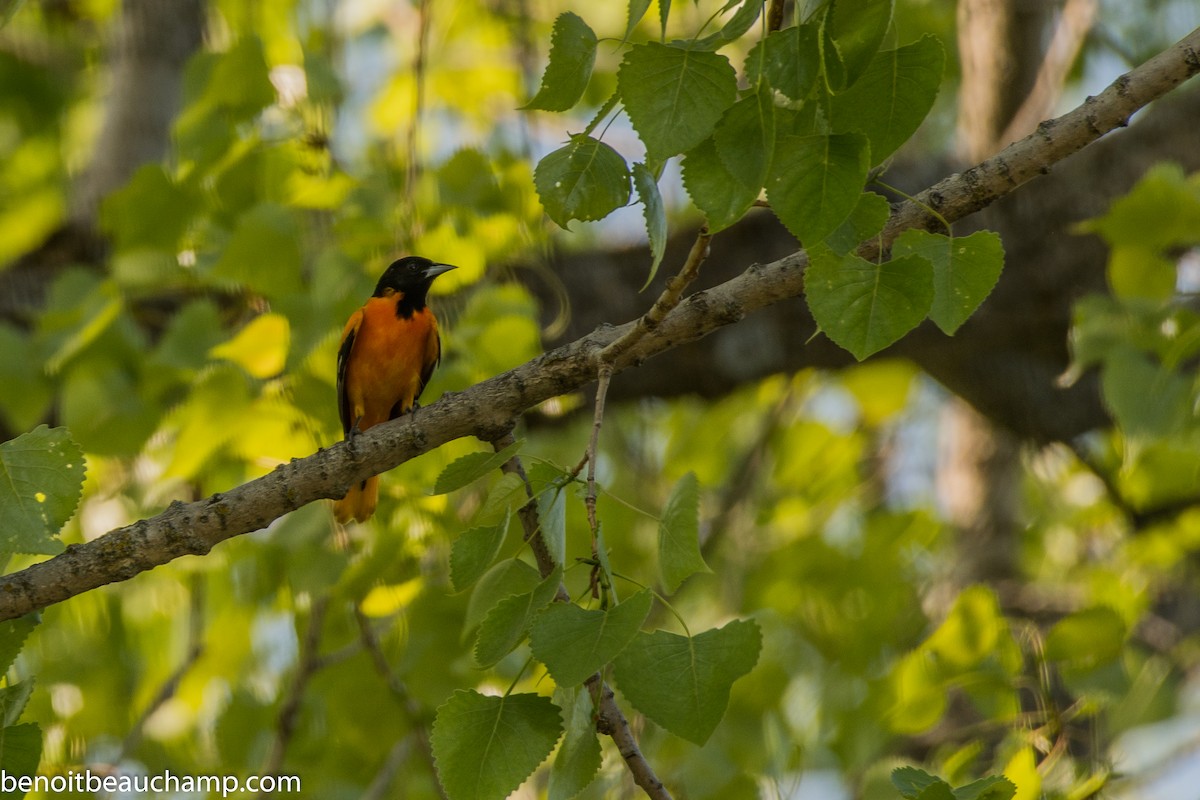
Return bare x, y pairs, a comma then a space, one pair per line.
674, 96
655, 214
508, 578
485, 746
965, 270
911, 781
679, 534
789, 59
683, 683
574, 643
862, 306
867, 219
745, 138
722, 198
579, 756
507, 623
857, 27
473, 552
816, 181
41, 479
572, 56
890, 100
469, 468
13, 699
13, 633
993, 787
585, 180
552, 508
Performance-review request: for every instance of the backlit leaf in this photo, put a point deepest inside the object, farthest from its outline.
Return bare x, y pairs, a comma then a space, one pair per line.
260, 348
474, 551
41, 478
579, 756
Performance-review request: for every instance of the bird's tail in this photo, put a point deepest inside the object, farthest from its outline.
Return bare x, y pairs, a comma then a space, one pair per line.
359, 502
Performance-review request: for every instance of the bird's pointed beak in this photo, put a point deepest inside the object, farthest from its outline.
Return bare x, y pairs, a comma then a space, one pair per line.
433, 270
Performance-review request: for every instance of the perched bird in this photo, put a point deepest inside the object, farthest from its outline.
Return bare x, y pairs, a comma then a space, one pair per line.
389, 349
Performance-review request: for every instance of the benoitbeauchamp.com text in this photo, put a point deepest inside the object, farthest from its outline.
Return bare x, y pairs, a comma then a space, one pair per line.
88, 781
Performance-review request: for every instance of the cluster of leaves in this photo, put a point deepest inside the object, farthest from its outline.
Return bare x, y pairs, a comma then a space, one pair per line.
823, 103
41, 479
1144, 337
486, 745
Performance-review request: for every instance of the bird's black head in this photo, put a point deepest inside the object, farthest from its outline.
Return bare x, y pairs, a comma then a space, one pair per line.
411, 277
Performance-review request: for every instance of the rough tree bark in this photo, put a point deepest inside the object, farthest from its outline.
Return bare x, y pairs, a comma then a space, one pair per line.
488, 409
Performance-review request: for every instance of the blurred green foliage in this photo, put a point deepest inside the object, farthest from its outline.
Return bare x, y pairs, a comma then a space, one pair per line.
201, 355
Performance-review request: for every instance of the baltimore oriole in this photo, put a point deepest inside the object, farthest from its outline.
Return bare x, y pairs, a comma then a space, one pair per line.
389, 349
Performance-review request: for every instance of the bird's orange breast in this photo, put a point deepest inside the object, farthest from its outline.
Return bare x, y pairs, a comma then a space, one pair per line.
389, 359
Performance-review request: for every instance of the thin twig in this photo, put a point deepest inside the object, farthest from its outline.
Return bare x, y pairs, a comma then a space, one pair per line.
665, 303
195, 528
307, 664
610, 720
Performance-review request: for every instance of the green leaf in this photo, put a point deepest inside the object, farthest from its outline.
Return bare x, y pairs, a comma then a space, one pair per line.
1087, 639
467, 469
585, 180
20, 752
863, 306
41, 479
972, 630
264, 252
715, 191
679, 534
789, 59
240, 80
938, 791
506, 624
738, 24
682, 682
21, 365
579, 756
857, 28
892, 97
1146, 398
637, 10
910, 781
485, 746
473, 553
547, 481
867, 219
574, 643
572, 56
1138, 272
1162, 210
498, 503
508, 578
965, 270
13, 699
149, 211
815, 182
993, 787
13, 633
655, 214
674, 97
745, 138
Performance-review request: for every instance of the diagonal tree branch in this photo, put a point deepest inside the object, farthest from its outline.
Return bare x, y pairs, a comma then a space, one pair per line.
488, 409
